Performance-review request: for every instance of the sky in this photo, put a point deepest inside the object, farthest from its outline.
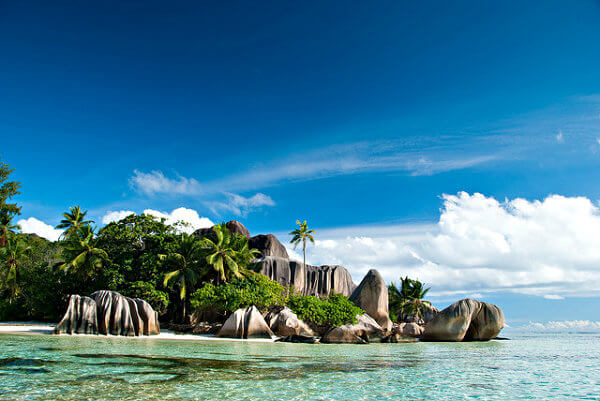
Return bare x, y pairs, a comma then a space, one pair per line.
458, 143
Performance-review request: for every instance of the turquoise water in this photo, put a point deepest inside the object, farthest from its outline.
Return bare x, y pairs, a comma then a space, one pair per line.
40, 367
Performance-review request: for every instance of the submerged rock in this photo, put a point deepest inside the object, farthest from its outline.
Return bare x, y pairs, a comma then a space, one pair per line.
246, 323
371, 295
108, 312
364, 331
465, 320
286, 323
80, 318
294, 338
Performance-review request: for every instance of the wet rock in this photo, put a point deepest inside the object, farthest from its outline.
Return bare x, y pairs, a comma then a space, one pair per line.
366, 330
308, 280
114, 314
408, 330
465, 320
268, 245
149, 324
286, 323
294, 338
80, 318
371, 295
246, 323
398, 338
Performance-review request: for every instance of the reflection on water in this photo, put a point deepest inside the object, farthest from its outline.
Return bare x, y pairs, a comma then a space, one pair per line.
37, 367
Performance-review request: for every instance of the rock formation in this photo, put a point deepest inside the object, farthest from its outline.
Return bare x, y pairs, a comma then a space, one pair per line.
408, 330
465, 320
268, 245
108, 312
371, 295
80, 318
366, 330
307, 280
234, 227
246, 323
286, 323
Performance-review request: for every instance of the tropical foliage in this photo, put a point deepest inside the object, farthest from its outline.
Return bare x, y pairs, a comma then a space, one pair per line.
80, 254
301, 235
12, 257
73, 221
407, 300
8, 210
335, 310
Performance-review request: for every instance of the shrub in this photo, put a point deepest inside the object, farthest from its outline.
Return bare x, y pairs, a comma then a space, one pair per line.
159, 300
253, 289
335, 310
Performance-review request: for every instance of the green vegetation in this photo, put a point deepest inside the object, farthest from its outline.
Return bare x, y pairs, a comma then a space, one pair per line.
407, 300
301, 234
335, 310
253, 289
143, 257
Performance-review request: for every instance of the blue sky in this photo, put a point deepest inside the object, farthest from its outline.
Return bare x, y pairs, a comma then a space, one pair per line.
358, 117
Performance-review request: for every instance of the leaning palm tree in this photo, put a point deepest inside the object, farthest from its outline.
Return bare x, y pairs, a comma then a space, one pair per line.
221, 254
80, 255
185, 265
301, 234
12, 256
73, 221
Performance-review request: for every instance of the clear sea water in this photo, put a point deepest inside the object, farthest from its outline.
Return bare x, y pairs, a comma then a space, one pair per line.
542, 367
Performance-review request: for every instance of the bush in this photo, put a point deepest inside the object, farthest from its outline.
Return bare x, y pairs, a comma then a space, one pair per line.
335, 310
159, 300
254, 289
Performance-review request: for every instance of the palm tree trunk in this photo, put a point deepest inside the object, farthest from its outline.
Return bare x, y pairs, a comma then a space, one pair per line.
304, 250
183, 321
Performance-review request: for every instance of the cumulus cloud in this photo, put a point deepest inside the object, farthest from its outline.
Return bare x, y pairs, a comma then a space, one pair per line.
35, 226
189, 217
559, 137
554, 297
240, 205
565, 325
110, 217
546, 248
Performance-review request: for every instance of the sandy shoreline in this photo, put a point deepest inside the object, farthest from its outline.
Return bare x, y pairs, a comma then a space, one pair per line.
43, 328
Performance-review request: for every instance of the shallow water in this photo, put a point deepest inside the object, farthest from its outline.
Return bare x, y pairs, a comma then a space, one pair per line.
36, 367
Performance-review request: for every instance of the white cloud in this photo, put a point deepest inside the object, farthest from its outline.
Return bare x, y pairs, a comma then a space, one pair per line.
554, 297
335, 160
480, 245
565, 325
240, 205
189, 216
559, 137
109, 217
35, 226
155, 182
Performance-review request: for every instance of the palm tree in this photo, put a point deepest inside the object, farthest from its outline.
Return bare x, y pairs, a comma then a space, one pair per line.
301, 234
185, 266
245, 254
408, 299
6, 227
80, 254
222, 255
73, 221
12, 256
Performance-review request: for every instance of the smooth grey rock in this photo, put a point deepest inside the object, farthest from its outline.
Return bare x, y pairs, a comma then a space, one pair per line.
268, 245
149, 318
366, 330
371, 295
428, 312
80, 318
234, 227
246, 323
308, 280
114, 314
408, 330
286, 323
465, 320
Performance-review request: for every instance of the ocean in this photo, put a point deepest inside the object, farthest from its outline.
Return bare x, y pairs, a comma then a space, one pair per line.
525, 367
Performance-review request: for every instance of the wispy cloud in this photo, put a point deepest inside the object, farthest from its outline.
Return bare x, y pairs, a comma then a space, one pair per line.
354, 158
240, 205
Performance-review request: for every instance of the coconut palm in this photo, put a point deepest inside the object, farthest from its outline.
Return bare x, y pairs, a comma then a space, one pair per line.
12, 256
244, 254
408, 299
221, 254
186, 266
80, 254
73, 221
301, 234
6, 227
